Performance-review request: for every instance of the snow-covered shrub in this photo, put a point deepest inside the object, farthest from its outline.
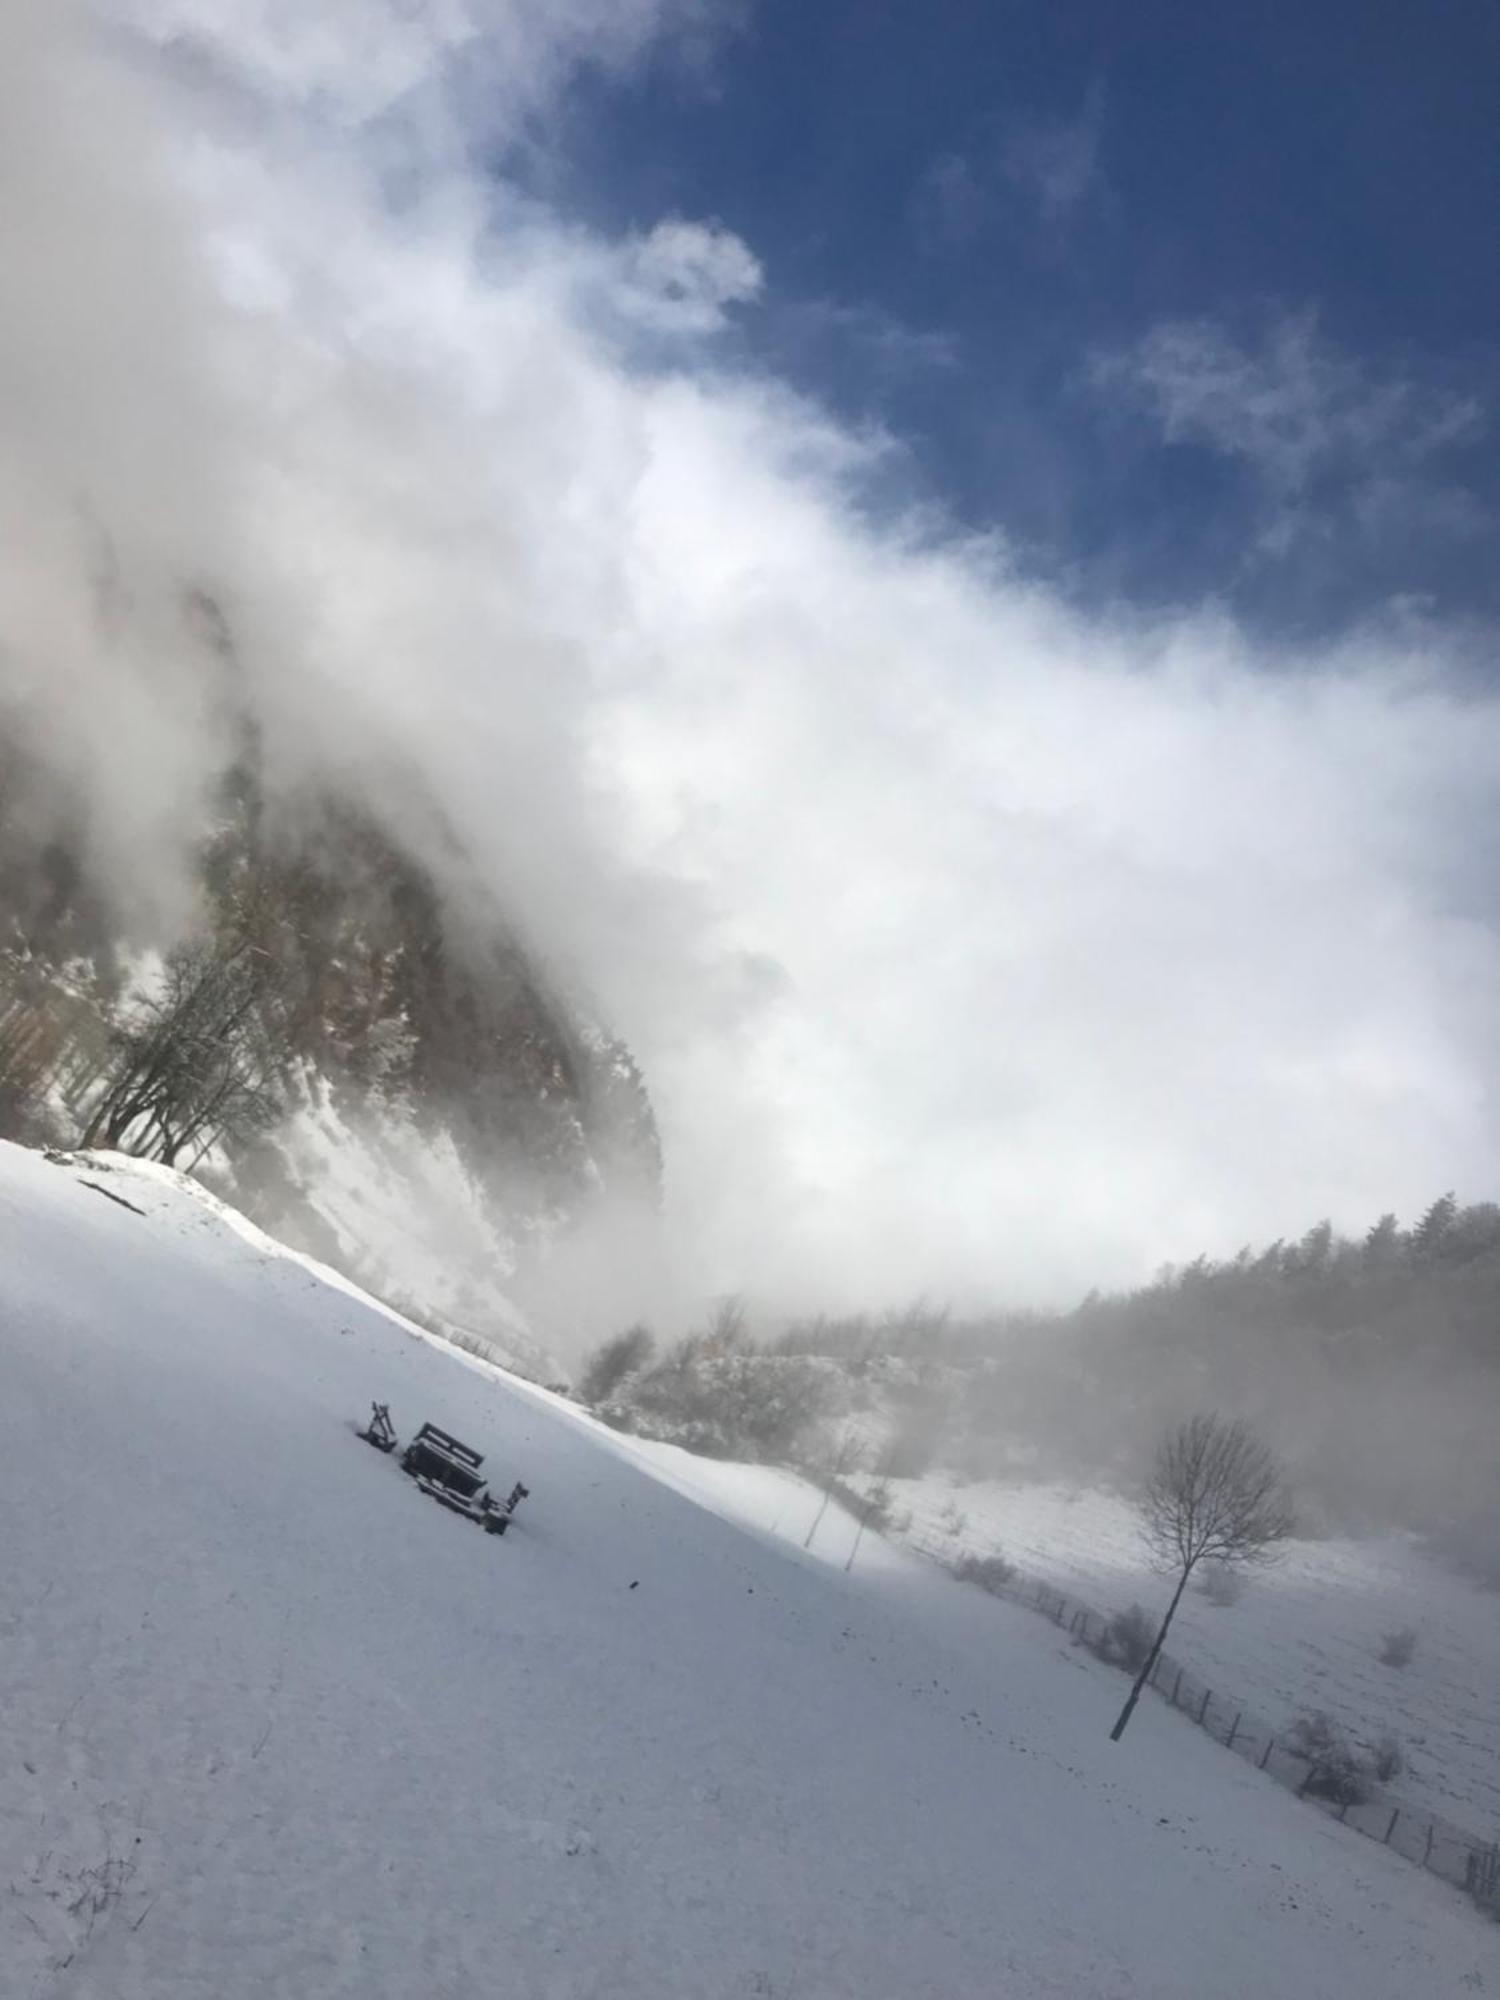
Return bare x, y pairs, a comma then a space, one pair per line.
991, 1572
879, 1508
1128, 1639
611, 1363
1397, 1648
1338, 1772
873, 1504
1389, 1759
1221, 1585
744, 1403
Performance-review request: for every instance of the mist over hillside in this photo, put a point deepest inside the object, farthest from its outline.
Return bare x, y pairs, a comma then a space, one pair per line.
1373, 1363
323, 983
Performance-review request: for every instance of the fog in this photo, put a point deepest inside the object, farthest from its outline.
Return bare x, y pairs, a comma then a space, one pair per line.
972, 942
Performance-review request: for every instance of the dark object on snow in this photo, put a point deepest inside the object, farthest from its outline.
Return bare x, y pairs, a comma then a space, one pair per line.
449, 1472
108, 1195
380, 1431
498, 1519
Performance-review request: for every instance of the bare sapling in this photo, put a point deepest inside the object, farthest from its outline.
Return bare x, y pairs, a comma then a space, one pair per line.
1216, 1494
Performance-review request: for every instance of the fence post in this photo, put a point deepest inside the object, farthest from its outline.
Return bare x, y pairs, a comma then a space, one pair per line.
1427, 1851
1234, 1730
1392, 1827
1265, 1755
1208, 1695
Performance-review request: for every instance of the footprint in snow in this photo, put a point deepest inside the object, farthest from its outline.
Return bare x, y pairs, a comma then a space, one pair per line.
561, 1840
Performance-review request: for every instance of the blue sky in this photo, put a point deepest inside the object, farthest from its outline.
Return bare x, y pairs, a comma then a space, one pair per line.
1188, 302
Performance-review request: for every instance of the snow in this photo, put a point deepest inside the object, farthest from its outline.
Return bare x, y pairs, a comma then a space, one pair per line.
399, 1205
276, 1726
1305, 1635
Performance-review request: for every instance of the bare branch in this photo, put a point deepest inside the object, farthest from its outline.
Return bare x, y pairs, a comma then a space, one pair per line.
1216, 1492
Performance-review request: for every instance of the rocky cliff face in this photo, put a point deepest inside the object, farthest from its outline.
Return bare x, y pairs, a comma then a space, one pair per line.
436, 1110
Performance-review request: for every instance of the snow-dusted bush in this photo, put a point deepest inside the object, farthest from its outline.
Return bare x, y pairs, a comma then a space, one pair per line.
1397, 1648
991, 1572
1389, 1759
1338, 1772
874, 1504
1221, 1585
1128, 1639
743, 1403
612, 1362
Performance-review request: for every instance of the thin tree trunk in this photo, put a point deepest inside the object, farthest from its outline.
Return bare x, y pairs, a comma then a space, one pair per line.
860, 1532
102, 1113
845, 1448
1151, 1658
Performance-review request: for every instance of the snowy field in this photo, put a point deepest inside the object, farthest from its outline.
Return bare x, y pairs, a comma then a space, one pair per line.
277, 1726
1305, 1634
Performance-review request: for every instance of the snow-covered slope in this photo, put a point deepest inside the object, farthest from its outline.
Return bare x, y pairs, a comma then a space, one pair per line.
392, 1200
275, 1725
1305, 1635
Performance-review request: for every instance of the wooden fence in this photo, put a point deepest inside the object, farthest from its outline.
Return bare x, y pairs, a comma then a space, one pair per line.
1453, 1852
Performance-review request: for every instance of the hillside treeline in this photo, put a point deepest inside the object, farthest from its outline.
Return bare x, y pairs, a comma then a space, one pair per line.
1372, 1363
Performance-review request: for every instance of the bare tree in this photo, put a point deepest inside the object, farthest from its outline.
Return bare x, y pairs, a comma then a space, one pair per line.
611, 1362
1216, 1494
726, 1329
198, 1060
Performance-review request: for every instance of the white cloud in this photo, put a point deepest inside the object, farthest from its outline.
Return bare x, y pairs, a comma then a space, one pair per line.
356, 56
683, 276
353, 61
1298, 411
969, 942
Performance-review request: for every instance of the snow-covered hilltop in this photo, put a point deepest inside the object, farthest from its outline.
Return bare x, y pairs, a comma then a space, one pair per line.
278, 1726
